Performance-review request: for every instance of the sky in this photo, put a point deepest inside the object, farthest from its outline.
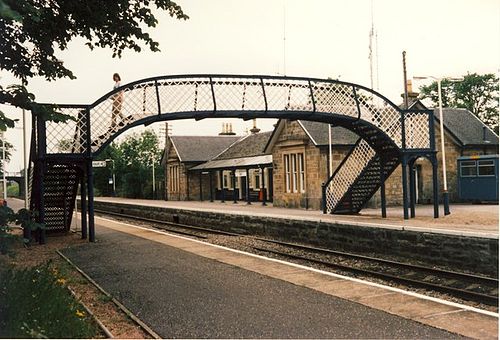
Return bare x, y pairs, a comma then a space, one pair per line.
314, 38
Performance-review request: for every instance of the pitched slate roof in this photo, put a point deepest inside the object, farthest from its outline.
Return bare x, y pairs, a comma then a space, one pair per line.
248, 146
201, 148
466, 127
463, 125
319, 133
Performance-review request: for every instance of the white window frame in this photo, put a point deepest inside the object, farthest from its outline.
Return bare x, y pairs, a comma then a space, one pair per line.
472, 164
295, 172
484, 163
286, 161
174, 178
302, 172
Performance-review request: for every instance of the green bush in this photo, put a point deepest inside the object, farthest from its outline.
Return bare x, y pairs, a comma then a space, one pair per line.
34, 303
13, 189
6, 237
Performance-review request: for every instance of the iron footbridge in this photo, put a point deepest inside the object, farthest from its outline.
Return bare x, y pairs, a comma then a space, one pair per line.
61, 153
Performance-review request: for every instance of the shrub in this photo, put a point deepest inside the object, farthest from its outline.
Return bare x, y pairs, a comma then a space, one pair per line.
6, 237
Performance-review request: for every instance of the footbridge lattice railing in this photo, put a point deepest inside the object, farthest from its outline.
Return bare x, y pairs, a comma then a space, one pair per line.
206, 96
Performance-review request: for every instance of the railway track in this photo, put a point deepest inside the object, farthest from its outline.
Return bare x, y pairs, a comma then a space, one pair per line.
474, 288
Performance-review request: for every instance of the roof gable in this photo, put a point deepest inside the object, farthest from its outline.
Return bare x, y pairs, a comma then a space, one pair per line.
466, 127
248, 146
318, 132
200, 148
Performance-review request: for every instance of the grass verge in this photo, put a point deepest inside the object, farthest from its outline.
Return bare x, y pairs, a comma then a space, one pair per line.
36, 256
35, 303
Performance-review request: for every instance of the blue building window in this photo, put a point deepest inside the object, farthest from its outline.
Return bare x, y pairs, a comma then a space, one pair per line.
486, 168
468, 169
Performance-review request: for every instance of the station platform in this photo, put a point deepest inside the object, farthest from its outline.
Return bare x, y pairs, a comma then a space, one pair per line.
475, 220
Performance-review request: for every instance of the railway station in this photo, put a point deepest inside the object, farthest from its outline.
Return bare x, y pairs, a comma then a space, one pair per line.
249, 169
292, 203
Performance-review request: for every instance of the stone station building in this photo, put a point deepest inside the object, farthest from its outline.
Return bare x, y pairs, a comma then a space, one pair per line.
289, 165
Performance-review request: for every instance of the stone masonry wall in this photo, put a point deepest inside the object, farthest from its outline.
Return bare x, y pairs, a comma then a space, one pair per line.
475, 254
292, 140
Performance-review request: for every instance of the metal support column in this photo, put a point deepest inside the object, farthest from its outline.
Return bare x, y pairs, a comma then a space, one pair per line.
262, 186
211, 186
222, 193
233, 179
90, 188
83, 203
248, 186
201, 189
187, 187
404, 172
323, 197
383, 202
435, 186
413, 194
90, 179
42, 164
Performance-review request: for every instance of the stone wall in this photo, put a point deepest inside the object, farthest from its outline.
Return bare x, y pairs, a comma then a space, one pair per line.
457, 252
292, 140
194, 185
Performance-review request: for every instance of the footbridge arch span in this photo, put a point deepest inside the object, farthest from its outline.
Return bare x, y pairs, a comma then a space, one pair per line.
387, 133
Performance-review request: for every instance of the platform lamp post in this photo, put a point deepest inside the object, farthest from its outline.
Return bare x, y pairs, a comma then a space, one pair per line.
154, 179
113, 174
446, 200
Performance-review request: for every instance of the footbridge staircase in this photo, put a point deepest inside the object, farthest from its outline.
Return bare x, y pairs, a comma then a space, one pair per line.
62, 153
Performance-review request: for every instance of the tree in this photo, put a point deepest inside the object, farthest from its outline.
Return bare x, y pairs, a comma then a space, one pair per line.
134, 159
32, 30
8, 151
476, 93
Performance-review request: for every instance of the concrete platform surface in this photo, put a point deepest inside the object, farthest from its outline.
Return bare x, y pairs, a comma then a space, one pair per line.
190, 289
132, 269
470, 219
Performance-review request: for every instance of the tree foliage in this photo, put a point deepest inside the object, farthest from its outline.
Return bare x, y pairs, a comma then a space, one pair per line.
476, 93
133, 161
31, 32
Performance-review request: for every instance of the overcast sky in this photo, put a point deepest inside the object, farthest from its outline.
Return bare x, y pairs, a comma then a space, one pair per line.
323, 38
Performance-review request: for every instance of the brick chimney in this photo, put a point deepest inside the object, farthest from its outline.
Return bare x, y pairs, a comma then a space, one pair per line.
254, 129
227, 130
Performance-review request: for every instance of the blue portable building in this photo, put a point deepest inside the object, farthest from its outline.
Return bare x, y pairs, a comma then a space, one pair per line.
478, 178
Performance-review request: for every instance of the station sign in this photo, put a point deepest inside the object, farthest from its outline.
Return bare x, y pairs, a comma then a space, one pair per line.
98, 164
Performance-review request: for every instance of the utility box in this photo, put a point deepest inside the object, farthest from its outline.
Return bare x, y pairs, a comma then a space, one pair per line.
478, 178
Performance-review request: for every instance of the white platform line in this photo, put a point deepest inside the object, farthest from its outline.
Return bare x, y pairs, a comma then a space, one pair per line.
413, 294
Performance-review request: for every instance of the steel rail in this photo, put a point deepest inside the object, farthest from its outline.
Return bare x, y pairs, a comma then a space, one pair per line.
461, 293
435, 271
129, 314
457, 292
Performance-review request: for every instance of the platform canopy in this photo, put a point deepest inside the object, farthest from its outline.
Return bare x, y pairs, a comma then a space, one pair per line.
235, 163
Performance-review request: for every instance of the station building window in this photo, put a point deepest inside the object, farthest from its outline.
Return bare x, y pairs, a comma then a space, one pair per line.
486, 168
295, 173
477, 168
256, 179
174, 178
227, 180
468, 169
